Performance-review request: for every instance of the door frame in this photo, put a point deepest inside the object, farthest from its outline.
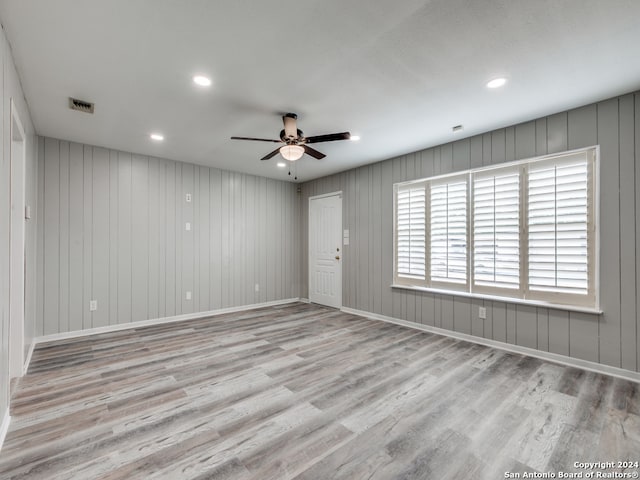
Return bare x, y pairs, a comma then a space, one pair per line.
17, 243
338, 194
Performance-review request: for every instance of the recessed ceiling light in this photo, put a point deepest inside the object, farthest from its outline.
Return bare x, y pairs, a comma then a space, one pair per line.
354, 138
157, 137
281, 164
496, 82
202, 80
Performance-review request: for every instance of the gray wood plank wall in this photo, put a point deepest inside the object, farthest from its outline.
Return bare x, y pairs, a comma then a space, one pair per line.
10, 88
612, 338
113, 230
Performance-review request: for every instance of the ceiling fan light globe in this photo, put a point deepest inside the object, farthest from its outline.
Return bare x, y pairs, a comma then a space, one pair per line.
291, 152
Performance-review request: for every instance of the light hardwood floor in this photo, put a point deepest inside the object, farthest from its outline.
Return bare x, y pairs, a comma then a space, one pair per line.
306, 392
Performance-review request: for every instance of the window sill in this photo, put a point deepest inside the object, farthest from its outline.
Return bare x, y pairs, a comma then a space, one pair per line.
519, 301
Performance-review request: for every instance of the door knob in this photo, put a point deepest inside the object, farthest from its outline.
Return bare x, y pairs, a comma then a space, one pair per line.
337, 257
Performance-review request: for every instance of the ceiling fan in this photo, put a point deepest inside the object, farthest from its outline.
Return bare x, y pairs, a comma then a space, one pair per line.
295, 143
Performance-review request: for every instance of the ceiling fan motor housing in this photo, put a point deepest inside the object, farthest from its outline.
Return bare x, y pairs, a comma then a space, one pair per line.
292, 140
290, 128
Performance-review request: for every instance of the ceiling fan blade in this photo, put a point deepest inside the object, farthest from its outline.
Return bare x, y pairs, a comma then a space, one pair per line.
328, 138
271, 155
256, 139
314, 153
290, 127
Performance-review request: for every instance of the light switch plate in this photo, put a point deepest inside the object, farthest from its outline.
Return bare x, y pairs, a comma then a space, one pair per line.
93, 305
187, 226
482, 313
187, 197
188, 295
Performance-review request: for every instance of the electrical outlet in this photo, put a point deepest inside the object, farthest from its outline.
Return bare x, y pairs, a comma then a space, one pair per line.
187, 197
257, 287
93, 305
482, 313
188, 295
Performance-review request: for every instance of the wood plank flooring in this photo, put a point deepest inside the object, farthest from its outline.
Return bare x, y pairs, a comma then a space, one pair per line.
306, 392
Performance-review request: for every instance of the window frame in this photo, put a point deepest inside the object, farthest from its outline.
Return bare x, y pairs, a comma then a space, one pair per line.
406, 279
399, 278
493, 290
443, 284
591, 298
589, 302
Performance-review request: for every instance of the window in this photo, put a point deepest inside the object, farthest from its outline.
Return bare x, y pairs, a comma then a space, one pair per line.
496, 230
448, 231
410, 232
559, 229
524, 230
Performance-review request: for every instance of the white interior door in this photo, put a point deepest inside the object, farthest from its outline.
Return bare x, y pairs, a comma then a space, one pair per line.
16, 247
325, 250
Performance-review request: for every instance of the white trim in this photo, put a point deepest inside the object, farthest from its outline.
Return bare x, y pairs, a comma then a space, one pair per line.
498, 298
330, 194
158, 321
531, 352
514, 163
4, 427
304, 300
29, 355
17, 241
595, 222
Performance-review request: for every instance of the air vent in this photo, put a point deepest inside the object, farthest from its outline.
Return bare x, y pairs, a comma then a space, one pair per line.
80, 105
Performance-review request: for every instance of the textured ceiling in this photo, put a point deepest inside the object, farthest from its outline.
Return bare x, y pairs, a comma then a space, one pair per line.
399, 74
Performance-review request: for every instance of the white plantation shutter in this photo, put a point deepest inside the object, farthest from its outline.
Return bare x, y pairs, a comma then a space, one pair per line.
496, 229
558, 225
448, 230
524, 230
410, 231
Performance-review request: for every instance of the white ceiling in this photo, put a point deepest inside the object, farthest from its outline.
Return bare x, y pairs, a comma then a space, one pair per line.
398, 73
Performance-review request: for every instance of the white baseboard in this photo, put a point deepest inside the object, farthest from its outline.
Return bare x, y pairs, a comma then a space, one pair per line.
28, 359
531, 352
155, 321
4, 427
